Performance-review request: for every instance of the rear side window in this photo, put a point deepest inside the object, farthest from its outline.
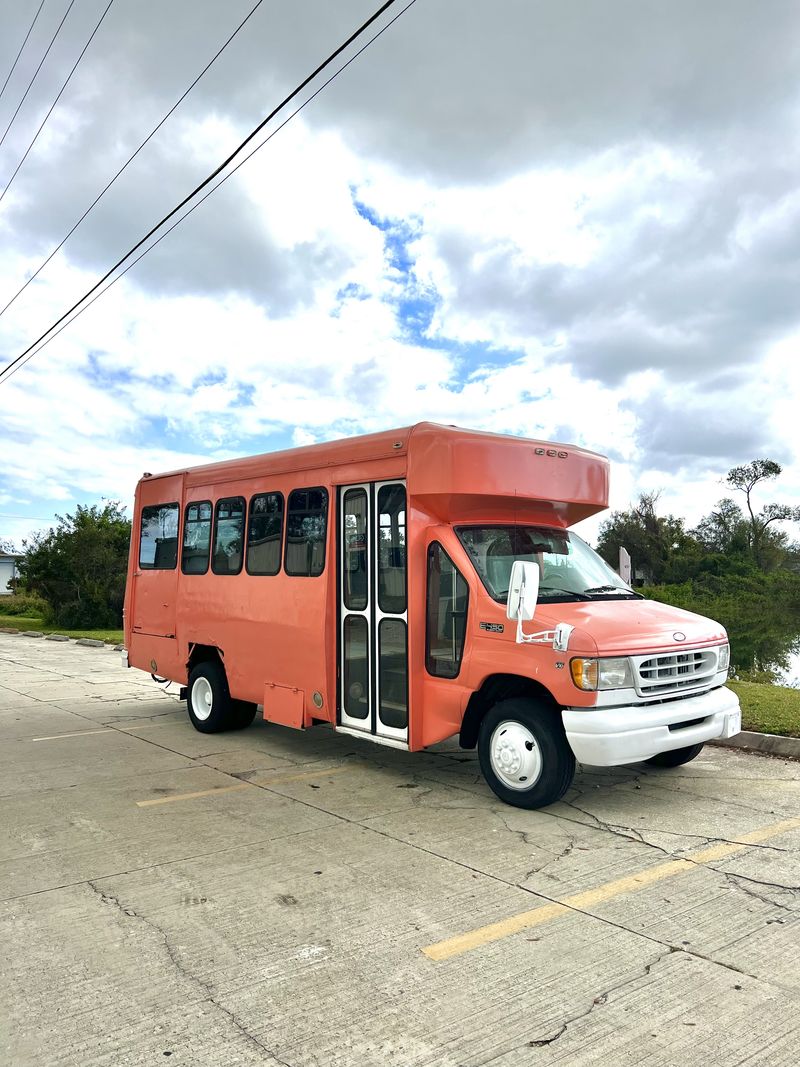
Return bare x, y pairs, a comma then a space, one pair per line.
158, 543
446, 614
228, 536
306, 527
264, 532
196, 538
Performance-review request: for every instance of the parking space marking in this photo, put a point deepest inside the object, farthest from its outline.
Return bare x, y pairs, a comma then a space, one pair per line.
193, 796
80, 733
241, 785
302, 777
148, 725
455, 946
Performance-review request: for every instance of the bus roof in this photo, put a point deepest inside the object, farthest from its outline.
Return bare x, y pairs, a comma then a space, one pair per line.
452, 471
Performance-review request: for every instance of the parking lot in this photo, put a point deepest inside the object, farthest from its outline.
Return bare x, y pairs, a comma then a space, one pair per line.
273, 897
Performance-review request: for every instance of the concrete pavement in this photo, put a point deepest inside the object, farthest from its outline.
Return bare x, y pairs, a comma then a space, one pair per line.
271, 897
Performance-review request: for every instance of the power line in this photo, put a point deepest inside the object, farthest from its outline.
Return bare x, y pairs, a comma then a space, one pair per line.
9, 369
36, 72
20, 362
131, 158
58, 97
21, 47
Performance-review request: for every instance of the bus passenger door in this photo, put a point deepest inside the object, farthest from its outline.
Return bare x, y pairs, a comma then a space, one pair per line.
373, 599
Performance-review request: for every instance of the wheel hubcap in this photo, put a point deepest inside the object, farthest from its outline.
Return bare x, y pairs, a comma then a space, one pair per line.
515, 755
202, 699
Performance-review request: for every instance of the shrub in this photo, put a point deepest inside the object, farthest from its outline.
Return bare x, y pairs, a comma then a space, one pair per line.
23, 604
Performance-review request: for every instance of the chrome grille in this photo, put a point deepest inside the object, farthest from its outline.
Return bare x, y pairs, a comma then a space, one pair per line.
688, 669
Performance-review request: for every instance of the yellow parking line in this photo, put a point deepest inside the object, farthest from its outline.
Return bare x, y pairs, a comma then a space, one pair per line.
454, 946
80, 733
302, 777
241, 785
148, 725
192, 796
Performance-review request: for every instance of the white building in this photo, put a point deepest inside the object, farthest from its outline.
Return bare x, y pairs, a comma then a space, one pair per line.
8, 570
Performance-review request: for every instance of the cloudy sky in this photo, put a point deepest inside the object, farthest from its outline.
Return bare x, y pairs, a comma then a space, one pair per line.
569, 219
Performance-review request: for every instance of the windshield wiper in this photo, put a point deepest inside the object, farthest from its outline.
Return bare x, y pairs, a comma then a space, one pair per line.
613, 589
547, 589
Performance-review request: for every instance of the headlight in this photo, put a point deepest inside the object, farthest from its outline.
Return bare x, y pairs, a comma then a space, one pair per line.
592, 674
723, 657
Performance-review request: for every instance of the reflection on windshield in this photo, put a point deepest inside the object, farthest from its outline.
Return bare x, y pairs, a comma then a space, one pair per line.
568, 568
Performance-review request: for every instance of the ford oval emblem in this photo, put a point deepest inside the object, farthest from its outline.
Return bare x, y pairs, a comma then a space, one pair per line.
679, 636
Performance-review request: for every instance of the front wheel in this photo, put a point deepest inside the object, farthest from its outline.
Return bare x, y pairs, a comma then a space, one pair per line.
676, 758
524, 753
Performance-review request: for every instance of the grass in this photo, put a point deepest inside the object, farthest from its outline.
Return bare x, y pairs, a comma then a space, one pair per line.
769, 709
30, 622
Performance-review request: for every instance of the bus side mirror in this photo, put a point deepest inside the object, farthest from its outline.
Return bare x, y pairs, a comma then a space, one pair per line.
523, 590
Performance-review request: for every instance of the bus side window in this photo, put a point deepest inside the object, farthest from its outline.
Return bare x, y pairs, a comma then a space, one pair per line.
306, 528
228, 536
264, 533
446, 614
158, 543
196, 538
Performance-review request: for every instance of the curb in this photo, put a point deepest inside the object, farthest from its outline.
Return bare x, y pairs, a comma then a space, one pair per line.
768, 744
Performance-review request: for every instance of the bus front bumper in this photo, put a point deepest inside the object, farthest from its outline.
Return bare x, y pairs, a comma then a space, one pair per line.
612, 736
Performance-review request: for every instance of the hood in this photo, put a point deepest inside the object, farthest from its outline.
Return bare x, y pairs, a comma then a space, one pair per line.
618, 627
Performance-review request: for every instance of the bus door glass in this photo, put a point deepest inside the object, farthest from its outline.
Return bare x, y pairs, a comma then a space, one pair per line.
373, 638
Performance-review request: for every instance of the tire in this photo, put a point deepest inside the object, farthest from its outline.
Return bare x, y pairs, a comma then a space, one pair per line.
209, 702
676, 758
243, 714
524, 753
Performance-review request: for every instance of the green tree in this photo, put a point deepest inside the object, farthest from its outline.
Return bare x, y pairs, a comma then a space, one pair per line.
7, 546
660, 547
768, 548
79, 567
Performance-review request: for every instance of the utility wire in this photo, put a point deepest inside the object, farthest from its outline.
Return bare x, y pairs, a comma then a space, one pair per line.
131, 158
10, 369
36, 72
206, 181
58, 97
21, 47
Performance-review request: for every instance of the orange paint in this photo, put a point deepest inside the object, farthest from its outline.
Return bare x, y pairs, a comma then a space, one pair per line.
282, 633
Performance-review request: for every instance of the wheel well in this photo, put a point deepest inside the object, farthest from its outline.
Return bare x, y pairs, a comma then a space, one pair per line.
203, 654
495, 688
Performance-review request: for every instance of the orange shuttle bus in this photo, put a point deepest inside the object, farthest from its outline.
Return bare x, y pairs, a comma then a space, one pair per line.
408, 586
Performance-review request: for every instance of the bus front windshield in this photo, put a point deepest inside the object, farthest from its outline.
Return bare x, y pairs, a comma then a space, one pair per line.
568, 568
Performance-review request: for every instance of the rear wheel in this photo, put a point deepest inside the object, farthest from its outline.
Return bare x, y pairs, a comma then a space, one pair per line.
524, 754
676, 758
211, 708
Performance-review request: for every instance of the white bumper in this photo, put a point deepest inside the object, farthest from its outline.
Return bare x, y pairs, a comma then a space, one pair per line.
608, 737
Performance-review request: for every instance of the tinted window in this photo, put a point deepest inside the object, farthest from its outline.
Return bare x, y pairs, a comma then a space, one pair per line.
196, 538
306, 526
393, 673
354, 533
264, 532
158, 544
446, 621
392, 549
228, 536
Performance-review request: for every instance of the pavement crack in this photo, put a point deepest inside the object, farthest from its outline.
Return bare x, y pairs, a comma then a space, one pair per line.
630, 833
736, 881
597, 1001
208, 994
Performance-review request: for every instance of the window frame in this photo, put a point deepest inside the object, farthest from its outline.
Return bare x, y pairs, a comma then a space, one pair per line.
178, 540
194, 504
460, 663
307, 489
217, 504
282, 498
